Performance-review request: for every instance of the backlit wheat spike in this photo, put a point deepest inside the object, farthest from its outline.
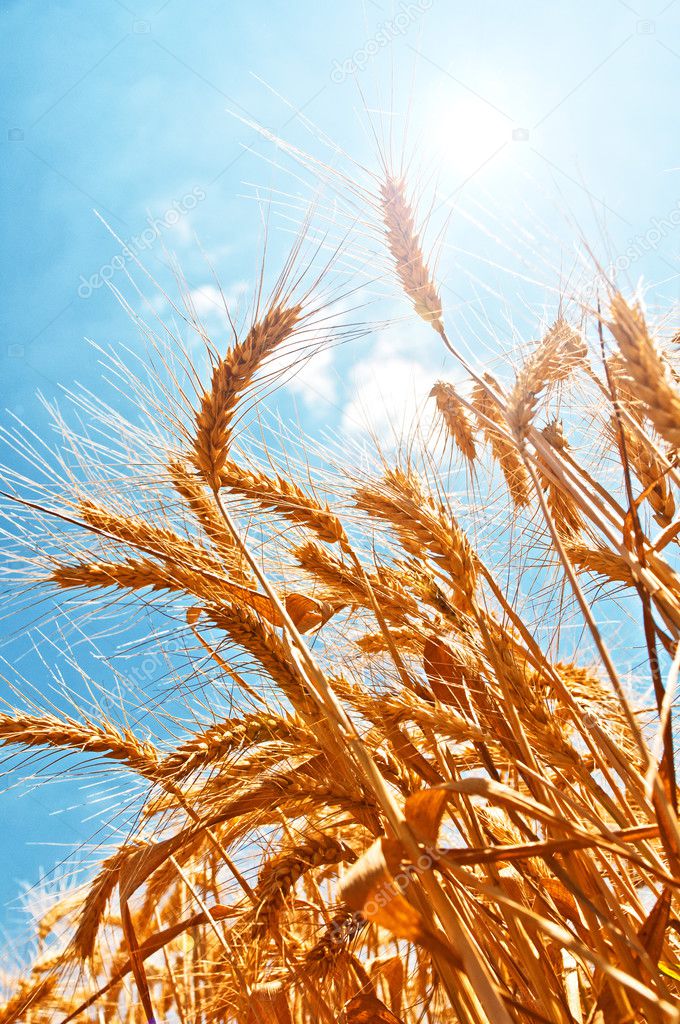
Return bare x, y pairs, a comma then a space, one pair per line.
601, 561
279, 875
564, 510
283, 496
504, 451
404, 245
649, 470
202, 504
149, 538
421, 523
344, 926
651, 379
623, 387
260, 641
555, 358
405, 639
222, 738
230, 378
341, 583
456, 419
105, 739
96, 899
140, 574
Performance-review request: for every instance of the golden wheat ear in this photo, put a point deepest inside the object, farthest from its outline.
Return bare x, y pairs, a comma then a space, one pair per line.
651, 380
231, 377
456, 419
404, 245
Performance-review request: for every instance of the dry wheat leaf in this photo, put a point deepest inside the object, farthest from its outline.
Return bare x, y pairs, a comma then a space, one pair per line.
368, 1009
373, 886
370, 888
392, 970
444, 673
424, 811
653, 931
307, 613
268, 1004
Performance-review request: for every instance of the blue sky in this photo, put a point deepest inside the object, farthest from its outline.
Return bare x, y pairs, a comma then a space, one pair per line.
547, 121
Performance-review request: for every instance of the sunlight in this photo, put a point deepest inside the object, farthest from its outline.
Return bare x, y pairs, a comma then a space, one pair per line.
461, 133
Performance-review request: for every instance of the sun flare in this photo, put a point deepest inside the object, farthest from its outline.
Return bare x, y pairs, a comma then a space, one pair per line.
462, 133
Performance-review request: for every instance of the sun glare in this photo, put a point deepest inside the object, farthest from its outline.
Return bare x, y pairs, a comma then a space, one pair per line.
463, 133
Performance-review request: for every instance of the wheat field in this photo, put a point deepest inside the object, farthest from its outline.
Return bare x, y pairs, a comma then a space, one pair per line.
402, 773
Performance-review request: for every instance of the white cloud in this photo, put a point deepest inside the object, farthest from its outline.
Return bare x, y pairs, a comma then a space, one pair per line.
315, 381
209, 302
389, 388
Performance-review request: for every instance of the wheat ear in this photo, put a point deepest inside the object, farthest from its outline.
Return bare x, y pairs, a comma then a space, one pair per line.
282, 496
231, 376
104, 739
502, 448
557, 355
404, 245
652, 381
456, 419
